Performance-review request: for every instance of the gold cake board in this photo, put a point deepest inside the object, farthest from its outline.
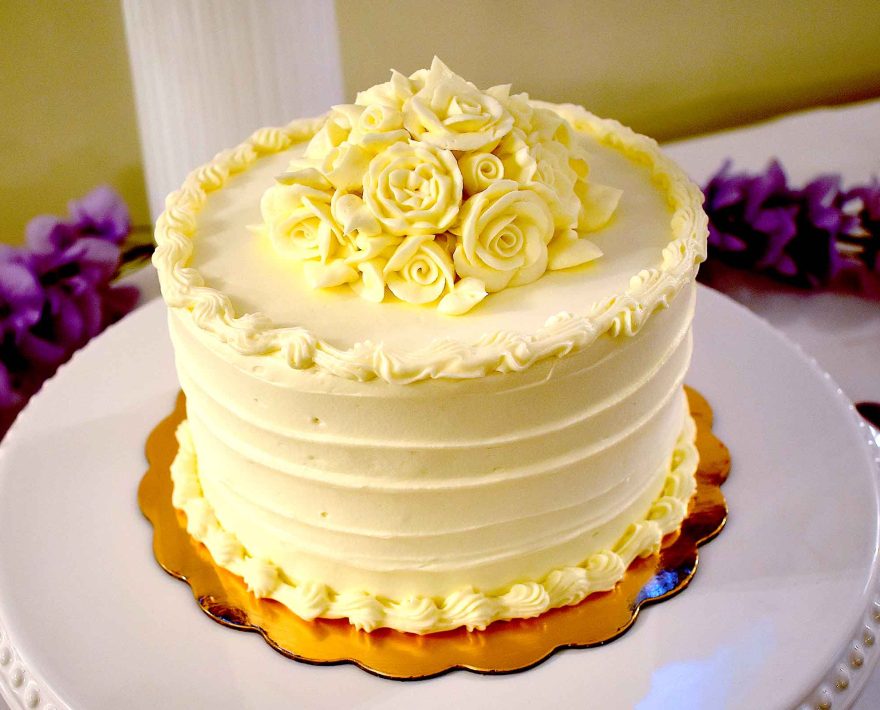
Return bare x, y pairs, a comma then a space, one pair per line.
503, 647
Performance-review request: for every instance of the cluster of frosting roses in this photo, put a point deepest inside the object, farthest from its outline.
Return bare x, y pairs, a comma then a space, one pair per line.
439, 192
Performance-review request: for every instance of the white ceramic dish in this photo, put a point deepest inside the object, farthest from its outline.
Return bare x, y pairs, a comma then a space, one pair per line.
783, 609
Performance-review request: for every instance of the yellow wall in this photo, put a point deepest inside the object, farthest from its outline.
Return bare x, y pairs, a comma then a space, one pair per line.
666, 68
67, 117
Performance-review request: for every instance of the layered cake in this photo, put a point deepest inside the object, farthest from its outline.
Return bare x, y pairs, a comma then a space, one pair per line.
433, 345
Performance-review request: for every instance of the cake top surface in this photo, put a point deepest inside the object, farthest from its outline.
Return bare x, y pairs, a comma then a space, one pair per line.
425, 251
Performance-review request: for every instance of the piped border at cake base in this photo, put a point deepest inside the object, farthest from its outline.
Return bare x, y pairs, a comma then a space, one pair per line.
502, 647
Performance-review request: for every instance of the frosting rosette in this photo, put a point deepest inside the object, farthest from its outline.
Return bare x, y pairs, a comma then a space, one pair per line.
299, 221
413, 188
376, 127
479, 170
452, 113
434, 191
504, 232
419, 271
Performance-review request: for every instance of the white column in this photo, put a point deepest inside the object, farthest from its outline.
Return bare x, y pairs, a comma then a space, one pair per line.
207, 73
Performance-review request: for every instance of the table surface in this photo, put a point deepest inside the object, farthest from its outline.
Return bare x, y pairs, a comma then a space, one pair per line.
842, 331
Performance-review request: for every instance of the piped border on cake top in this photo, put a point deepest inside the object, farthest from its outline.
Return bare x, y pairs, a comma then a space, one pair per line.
310, 599
254, 334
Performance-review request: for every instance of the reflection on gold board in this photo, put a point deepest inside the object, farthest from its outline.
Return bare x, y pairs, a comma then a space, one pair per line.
503, 647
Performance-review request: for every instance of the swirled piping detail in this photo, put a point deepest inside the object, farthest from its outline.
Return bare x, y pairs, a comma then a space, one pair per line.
467, 607
567, 584
362, 610
604, 569
223, 546
260, 576
255, 335
308, 600
418, 615
270, 140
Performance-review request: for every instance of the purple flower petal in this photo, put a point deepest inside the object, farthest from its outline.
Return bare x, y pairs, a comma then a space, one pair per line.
785, 265
45, 234
86, 265
778, 223
21, 297
728, 194
97, 252
823, 189
763, 187
731, 242
18, 285
827, 218
9, 397
70, 328
89, 305
102, 213
42, 352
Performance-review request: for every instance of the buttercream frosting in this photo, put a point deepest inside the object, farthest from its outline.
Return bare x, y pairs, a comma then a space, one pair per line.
466, 606
352, 451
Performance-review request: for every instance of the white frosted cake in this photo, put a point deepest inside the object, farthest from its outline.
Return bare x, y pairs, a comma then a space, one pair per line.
433, 346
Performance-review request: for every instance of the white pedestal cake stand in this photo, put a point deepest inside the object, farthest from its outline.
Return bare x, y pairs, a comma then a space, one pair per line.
783, 611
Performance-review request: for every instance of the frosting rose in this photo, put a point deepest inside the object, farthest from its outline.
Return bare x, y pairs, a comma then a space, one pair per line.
377, 127
299, 221
344, 166
335, 130
546, 125
479, 170
545, 168
419, 271
452, 113
438, 191
413, 188
504, 232
349, 138
555, 179
392, 93
534, 124
353, 216
517, 104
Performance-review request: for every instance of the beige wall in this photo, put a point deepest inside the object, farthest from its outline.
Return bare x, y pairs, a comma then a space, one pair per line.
666, 68
67, 118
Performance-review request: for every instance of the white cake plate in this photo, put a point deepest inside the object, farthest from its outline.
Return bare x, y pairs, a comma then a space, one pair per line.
783, 610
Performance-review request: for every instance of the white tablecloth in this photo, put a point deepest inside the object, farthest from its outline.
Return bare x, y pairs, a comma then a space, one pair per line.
841, 331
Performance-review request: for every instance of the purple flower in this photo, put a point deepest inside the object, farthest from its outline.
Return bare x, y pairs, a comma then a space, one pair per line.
21, 302
101, 215
75, 259
759, 222
21, 295
56, 294
751, 218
